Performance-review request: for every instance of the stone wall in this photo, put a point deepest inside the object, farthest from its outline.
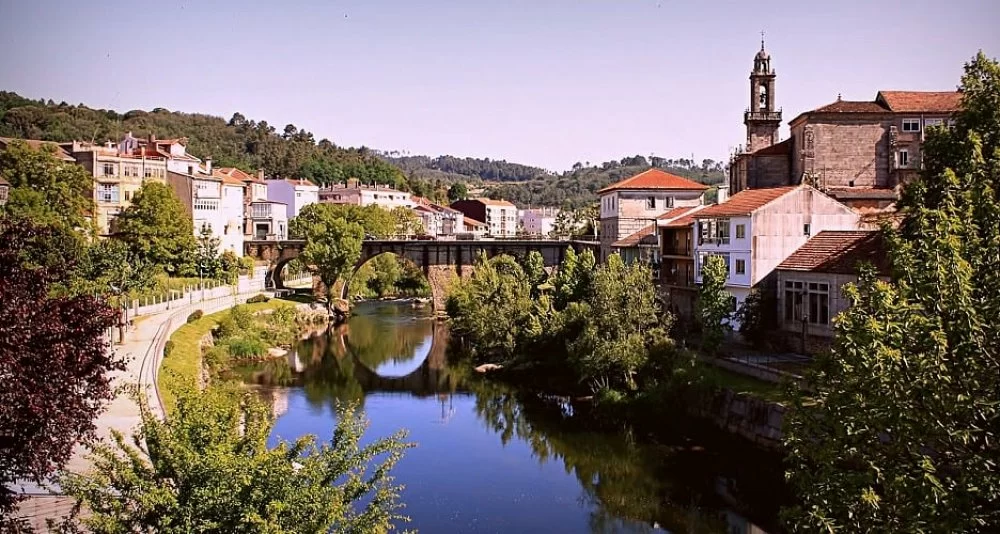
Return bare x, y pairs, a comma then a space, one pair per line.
757, 420
769, 171
846, 152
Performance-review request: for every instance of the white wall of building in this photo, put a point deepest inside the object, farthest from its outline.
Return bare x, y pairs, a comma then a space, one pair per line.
295, 194
538, 221
232, 216
386, 198
501, 220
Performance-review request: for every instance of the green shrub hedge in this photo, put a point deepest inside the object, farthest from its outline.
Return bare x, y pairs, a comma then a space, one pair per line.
195, 315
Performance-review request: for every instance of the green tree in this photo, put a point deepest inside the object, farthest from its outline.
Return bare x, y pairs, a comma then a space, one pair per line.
208, 468
386, 273
333, 243
376, 221
112, 268
159, 230
899, 429
574, 278
207, 259
46, 190
715, 303
458, 191
494, 308
623, 320
406, 222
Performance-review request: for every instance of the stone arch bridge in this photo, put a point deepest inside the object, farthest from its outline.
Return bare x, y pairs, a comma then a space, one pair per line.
441, 261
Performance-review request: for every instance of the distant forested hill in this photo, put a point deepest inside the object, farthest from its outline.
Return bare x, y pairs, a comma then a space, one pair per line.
239, 142
482, 168
579, 186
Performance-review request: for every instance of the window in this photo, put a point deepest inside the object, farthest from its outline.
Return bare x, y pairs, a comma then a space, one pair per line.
741, 231
741, 267
651, 203
903, 158
202, 204
128, 196
928, 123
107, 192
704, 258
911, 125
807, 302
109, 169
714, 231
191, 169
147, 172
806, 230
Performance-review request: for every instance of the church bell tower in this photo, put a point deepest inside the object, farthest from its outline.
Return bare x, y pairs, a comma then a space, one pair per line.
762, 119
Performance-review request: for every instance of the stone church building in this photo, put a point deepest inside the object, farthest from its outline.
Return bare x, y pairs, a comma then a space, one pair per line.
856, 151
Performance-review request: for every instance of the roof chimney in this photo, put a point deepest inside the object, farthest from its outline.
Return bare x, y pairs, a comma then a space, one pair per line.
208, 165
152, 138
260, 174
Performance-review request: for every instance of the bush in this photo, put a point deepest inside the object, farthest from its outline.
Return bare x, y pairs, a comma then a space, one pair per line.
195, 315
168, 347
246, 348
215, 357
257, 299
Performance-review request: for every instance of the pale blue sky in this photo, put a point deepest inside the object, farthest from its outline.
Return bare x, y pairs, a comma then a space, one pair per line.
543, 82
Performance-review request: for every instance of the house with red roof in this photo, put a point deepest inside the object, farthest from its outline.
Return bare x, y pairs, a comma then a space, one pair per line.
810, 282
757, 229
858, 151
630, 207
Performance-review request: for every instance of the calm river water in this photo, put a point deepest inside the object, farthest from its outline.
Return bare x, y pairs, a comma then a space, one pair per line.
493, 459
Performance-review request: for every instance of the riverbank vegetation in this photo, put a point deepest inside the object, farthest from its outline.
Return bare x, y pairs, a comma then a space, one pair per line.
586, 329
210, 467
245, 331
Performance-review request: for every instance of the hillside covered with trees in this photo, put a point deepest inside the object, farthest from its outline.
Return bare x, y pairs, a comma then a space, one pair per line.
293, 152
578, 187
238, 142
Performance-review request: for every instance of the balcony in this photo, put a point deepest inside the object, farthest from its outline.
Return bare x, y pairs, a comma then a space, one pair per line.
260, 211
684, 251
772, 116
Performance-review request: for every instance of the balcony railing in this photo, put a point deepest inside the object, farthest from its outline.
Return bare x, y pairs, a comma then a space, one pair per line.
260, 211
762, 116
677, 251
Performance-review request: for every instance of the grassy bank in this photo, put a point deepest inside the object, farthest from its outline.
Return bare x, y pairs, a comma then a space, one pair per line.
183, 363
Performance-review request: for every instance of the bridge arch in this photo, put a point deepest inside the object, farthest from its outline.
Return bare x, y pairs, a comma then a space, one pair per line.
442, 262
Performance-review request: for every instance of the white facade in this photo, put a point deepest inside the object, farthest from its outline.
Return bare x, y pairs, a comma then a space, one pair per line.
268, 221
296, 194
206, 206
754, 239
501, 218
386, 198
232, 215
540, 221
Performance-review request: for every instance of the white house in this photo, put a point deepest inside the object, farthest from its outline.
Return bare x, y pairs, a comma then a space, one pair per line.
538, 221
267, 220
756, 229
635, 203
438, 220
365, 195
233, 212
202, 197
296, 194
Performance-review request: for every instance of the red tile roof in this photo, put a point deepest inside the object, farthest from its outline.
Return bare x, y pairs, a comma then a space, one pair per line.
852, 106
491, 202
839, 252
4, 182
473, 222
227, 179
296, 181
239, 175
921, 101
35, 144
655, 179
745, 202
639, 238
679, 217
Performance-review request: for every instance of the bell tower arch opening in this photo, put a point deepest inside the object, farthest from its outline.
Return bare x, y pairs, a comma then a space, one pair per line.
762, 119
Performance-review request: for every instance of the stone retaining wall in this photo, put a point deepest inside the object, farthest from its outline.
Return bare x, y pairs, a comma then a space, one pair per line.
758, 420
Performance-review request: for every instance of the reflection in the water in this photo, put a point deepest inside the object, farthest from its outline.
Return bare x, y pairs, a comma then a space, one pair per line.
622, 484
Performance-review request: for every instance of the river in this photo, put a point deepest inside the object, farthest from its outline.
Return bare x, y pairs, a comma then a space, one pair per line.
490, 458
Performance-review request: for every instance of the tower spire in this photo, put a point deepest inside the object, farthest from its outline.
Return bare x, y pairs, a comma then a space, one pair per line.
762, 39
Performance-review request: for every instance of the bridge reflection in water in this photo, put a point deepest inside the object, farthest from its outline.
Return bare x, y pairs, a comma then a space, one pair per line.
361, 356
